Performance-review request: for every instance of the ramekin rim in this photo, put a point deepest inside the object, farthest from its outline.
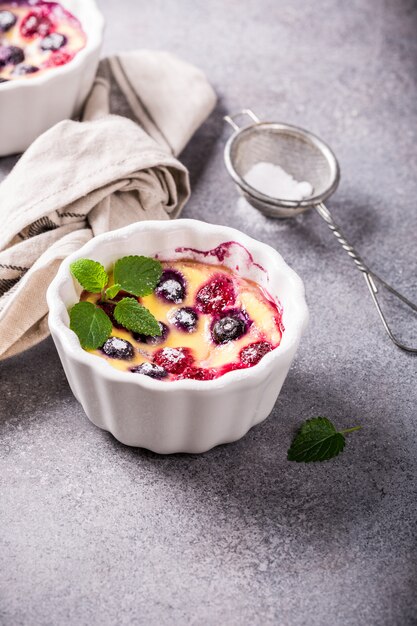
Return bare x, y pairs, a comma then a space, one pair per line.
93, 42
71, 345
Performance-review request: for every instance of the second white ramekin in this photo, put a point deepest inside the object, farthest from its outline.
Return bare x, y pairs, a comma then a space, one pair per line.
185, 415
31, 106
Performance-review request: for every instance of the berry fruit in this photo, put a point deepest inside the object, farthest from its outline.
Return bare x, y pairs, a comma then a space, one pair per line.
11, 54
108, 308
59, 58
150, 369
215, 295
23, 68
197, 373
153, 340
171, 287
3, 80
7, 20
228, 328
36, 22
54, 41
253, 353
118, 348
174, 360
185, 319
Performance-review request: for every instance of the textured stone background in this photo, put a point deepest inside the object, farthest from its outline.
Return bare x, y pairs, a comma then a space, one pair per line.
93, 532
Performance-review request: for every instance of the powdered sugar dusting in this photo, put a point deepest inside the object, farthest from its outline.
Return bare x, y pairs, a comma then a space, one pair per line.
118, 344
173, 355
272, 180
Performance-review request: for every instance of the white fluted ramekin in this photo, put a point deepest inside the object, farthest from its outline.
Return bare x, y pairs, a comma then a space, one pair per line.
185, 415
29, 106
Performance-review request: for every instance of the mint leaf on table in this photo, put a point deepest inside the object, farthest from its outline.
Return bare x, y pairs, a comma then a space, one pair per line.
91, 325
317, 440
112, 291
138, 275
133, 316
91, 275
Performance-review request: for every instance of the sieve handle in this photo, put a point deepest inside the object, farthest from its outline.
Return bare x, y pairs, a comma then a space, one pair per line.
370, 277
324, 212
230, 119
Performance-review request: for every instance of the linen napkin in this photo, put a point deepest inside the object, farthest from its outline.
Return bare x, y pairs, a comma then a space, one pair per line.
82, 178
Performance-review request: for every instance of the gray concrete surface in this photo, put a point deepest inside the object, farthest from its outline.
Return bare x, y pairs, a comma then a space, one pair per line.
93, 532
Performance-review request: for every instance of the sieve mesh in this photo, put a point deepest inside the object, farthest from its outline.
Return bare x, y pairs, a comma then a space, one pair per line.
297, 151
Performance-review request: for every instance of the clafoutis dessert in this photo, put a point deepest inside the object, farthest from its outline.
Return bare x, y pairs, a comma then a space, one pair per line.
176, 320
36, 36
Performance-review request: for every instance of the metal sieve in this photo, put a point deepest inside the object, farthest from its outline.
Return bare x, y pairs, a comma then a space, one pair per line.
305, 157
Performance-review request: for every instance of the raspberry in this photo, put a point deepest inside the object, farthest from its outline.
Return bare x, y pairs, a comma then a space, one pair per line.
174, 360
59, 58
36, 22
197, 373
254, 352
215, 295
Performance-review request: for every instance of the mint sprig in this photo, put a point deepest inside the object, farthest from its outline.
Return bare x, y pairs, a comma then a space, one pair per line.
90, 324
137, 275
91, 275
111, 292
133, 316
318, 440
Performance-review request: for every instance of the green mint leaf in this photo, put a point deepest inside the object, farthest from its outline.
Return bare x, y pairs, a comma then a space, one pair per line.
317, 440
138, 275
90, 274
90, 324
133, 316
113, 290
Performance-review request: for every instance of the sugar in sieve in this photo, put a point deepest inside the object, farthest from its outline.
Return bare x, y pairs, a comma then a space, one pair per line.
305, 157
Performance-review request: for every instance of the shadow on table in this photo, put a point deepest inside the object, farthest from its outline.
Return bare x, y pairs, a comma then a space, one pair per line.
252, 479
198, 152
30, 381
357, 219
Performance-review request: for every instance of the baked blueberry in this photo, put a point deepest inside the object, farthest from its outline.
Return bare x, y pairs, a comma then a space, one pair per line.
185, 319
171, 287
108, 308
150, 369
11, 54
24, 68
228, 328
53, 41
118, 348
215, 295
7, 20
16, 55
153, 340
